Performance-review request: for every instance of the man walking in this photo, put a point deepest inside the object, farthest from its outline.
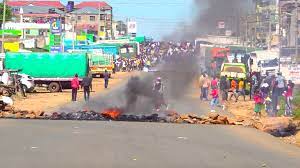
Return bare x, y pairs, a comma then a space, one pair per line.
106, 78
86, 84
75, 87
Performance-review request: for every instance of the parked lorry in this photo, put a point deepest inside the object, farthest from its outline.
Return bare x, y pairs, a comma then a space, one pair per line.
99, 62
265, 62
53, 70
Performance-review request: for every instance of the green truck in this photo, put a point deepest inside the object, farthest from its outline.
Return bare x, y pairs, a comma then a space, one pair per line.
53, 70
100, 62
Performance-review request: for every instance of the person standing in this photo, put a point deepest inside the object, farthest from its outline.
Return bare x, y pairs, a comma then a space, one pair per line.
205, 87
201, 82
86, 84
288, 94
214, 82
259, 101
106, 79
75, 86
241, 89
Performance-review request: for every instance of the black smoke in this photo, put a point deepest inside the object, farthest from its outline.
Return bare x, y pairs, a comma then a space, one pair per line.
207, 15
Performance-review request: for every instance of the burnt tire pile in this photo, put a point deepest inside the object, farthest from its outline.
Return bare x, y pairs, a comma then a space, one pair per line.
277, 126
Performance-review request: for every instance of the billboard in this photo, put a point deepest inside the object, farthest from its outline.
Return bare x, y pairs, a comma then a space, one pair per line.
55, 26
221, 25
132, 27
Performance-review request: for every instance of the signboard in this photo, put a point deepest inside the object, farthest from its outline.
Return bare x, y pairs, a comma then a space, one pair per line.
294, 73
132, 27
11, 32
221, 25
55, 26
55, 49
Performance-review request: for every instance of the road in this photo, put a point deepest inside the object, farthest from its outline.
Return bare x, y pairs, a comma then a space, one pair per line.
75, 144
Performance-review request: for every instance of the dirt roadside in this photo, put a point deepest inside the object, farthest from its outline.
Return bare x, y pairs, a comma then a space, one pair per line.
43, 100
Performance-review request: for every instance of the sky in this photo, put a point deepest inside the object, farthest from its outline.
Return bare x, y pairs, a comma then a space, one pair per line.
155, 18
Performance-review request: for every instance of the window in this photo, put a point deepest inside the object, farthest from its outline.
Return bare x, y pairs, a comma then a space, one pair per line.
78, 17
102, 17
92, 18
102, 28
27, 31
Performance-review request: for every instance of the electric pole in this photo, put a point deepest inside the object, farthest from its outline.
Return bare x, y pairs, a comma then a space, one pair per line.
3, 22
297, 27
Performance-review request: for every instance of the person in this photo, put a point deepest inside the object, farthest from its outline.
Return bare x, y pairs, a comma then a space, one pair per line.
158, 89
201, 82
288, 94
233, 89
268, 103
280, 83
241, 89
214, 83
75, 86
86, 84
106, 79
254, 84
224, 88
258, 99
205, 87
215, 99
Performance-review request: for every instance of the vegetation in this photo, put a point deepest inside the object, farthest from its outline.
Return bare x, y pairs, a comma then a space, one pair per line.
8, 14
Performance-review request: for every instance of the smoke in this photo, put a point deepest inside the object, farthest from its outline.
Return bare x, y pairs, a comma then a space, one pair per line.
177, 74
207, 15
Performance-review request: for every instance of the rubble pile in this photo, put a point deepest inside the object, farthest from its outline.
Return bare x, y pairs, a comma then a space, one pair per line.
277, 126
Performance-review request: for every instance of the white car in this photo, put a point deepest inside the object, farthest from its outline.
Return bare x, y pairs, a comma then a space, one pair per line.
27, 82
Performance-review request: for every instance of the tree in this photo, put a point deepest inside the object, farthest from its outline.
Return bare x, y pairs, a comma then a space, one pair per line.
8, 14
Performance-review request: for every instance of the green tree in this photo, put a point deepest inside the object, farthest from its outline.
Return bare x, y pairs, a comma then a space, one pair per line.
8, 13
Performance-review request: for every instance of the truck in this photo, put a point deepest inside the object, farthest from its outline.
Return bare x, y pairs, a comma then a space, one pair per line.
264, 62
99, 62
53, 70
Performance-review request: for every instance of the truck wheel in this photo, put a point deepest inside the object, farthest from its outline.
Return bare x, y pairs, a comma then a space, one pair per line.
54, 87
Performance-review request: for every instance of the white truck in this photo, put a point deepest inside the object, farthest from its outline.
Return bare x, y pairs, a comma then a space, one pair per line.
265, 61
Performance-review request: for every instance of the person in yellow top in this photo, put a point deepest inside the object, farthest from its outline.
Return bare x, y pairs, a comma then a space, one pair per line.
241, 89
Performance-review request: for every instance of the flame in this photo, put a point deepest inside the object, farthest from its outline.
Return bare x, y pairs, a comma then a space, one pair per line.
112, 113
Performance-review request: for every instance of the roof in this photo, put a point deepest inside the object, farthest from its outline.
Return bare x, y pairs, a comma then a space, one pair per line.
93, 4
49, 3
86, 10
39, 10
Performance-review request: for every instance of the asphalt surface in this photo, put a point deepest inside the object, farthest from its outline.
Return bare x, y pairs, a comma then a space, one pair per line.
75, 144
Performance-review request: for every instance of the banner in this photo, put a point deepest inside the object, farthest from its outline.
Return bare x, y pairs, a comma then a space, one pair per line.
132, 27
11, 46
55, 26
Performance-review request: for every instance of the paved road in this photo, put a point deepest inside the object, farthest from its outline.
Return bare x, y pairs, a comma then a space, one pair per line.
74, 144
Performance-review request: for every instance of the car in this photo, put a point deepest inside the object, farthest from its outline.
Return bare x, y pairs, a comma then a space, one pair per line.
26, 80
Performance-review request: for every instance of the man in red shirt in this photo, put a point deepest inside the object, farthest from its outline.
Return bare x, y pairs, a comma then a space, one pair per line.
75, 86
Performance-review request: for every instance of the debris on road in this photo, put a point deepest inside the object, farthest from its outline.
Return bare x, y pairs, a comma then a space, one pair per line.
277, 126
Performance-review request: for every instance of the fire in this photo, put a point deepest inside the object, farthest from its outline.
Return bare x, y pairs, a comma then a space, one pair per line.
112, 113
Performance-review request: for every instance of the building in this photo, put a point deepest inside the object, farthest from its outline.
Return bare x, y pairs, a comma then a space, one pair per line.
92, 17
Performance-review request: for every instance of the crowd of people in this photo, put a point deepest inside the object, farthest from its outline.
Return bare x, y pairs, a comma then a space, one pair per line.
267, 92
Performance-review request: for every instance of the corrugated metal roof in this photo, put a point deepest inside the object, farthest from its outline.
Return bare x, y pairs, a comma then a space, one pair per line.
93, 4
86, 11
56, 4
39, 10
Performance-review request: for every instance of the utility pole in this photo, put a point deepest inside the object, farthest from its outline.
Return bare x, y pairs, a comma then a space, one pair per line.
297, 27
270, 30
3, 22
